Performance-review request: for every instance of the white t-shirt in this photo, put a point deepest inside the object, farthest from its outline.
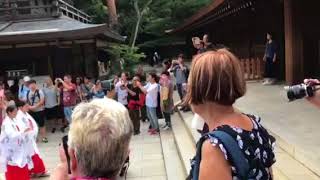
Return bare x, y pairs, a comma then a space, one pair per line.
152, 95
197, 122
122, 94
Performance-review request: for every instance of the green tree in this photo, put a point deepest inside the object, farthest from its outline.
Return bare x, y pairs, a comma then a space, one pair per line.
161, 15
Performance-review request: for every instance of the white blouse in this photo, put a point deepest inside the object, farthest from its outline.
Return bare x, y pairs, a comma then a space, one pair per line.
15, 145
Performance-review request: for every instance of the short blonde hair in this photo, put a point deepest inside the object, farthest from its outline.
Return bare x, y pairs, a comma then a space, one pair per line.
215, 76
100, 134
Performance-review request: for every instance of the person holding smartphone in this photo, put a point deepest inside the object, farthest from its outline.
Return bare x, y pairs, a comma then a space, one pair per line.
69, 96
121, 90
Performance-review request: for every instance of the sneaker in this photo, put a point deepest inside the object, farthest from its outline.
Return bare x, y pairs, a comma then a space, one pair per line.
63, 128
150, 130
53, 130
136, 133
45, 174
154, 132
166, 128
45, 140
40, 175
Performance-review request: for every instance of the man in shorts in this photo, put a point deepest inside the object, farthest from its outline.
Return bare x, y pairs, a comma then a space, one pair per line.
35, 99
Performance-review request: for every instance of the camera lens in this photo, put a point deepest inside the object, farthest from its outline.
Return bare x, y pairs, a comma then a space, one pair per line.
296, 92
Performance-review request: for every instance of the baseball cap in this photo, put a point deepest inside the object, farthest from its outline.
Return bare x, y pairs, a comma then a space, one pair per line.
26, 79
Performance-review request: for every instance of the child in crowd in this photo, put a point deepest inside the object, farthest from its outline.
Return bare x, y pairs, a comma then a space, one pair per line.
166, 97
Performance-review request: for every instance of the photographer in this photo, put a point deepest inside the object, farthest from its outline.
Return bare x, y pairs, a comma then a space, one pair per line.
316, 98
122, 92
181, 73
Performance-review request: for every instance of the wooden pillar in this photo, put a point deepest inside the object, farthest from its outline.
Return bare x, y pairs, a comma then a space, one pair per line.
50, 68
293, 44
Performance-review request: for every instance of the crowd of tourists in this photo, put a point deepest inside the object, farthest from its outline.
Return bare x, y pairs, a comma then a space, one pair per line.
101, 121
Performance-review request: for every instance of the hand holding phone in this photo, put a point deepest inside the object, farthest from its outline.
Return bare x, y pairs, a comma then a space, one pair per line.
66, 152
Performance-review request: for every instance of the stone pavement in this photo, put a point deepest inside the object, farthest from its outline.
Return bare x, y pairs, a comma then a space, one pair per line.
146, 157
295, 124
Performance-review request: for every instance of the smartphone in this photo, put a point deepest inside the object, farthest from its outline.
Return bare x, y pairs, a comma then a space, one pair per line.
65, 147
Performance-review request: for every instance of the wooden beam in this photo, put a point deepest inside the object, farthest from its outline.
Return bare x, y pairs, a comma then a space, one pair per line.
289, 36
293, 43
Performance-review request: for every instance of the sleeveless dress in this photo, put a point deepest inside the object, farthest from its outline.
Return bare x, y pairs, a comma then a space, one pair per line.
257, 146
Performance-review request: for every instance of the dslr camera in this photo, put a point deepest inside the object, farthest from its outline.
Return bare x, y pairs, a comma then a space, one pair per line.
300, 91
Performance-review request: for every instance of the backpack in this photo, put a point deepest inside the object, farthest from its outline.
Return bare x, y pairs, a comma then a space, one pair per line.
36, 94
21, 88
159, 111
231, 146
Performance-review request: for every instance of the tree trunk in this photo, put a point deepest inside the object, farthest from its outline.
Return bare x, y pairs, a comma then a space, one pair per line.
112, 10
135, 35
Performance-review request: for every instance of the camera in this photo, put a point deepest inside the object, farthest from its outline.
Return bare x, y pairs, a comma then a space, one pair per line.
300, 91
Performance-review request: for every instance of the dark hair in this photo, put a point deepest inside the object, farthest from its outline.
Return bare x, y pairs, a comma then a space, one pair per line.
20, 103
32, 81
165, 73
154, 76
81, 80
87, 77
11, 109
9, 96
125, 73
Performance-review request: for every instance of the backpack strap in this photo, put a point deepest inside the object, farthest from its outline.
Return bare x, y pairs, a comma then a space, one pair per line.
36, 94
21, 88
232, 148
28, 97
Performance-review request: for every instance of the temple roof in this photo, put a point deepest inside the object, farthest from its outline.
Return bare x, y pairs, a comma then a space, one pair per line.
216, 10
62, 28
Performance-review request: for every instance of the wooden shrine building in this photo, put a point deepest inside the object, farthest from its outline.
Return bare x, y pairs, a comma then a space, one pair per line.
241, 25
49, 37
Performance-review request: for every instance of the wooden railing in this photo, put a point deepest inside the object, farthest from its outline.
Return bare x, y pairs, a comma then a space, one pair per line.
253, 68
11, 10
72, 12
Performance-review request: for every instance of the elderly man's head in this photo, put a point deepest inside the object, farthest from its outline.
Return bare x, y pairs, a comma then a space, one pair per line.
99, 138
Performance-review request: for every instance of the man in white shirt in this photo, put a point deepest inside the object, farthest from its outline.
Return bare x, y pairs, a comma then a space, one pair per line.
121, 90
151, 90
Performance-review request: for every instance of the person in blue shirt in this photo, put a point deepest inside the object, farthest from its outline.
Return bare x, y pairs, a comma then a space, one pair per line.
23, 89
97, 91
270, 58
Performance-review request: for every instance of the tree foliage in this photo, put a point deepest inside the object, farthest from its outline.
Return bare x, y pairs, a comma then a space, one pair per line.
161, 15
125, 57
95, 8
158, 16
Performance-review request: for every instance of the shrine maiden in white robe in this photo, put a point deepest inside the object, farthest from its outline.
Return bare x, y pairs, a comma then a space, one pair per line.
25, 121
15, 145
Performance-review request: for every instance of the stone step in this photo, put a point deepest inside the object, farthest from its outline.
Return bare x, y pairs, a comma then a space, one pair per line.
184, 143
173, 164
285, 168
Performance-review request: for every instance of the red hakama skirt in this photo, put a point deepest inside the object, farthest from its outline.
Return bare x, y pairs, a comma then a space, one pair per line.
38, 165
17, 173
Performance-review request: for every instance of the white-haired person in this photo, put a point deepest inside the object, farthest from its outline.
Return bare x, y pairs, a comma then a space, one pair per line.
14, 147
26, 121
98, 142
